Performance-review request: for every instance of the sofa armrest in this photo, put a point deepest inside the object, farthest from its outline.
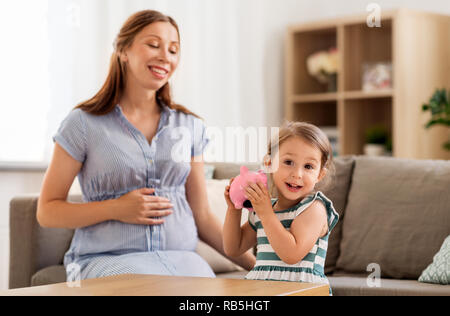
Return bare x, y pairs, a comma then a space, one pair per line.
22, 224
31, 246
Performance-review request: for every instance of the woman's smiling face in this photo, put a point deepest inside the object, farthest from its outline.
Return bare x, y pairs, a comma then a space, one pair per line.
299, 169
154, 55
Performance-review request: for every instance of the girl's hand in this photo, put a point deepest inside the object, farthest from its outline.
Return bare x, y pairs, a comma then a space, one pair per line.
227, 196
259, 196
139, 207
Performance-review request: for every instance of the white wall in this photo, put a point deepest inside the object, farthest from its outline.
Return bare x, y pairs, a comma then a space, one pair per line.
260, 27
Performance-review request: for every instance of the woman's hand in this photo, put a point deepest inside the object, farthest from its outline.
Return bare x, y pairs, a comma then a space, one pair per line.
139, 207
259, 196
227, 196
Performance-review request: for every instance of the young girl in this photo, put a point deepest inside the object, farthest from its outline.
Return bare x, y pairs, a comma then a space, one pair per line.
291, 232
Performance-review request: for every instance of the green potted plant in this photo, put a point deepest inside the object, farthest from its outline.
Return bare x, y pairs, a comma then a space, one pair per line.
377, 138
439, 106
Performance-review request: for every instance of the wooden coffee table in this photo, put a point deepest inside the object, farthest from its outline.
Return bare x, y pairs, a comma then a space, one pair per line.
158, 285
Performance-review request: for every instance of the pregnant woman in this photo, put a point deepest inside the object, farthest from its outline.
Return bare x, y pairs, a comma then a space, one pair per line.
138, 157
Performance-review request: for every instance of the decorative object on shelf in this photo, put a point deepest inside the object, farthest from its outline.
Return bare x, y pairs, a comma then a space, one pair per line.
439, 107
323, 66
333, 136
377, 76
377, 141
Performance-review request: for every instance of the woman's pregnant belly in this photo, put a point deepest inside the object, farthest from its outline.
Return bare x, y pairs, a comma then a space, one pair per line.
178, 232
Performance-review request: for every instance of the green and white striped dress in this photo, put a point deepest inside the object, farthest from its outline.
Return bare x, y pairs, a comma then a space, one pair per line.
311, 268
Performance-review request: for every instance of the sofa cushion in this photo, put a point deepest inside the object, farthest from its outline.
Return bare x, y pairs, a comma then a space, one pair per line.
233, 275
438, 271
217, 262
337, 192
225, 170
49, 275
209, 171
357, 286
397, 215
215, 190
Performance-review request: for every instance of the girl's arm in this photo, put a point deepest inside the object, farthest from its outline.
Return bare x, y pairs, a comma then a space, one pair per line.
293, 245
208, 225
237, 239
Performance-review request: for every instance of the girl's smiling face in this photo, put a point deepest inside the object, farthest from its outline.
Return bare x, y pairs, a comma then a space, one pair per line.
299, 170
153, 56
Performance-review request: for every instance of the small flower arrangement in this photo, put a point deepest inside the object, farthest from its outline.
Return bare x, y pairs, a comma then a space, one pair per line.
323, 65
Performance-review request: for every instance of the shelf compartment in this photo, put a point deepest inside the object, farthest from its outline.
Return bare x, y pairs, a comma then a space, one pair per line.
360, 114
304, 44
317, 113
365, 45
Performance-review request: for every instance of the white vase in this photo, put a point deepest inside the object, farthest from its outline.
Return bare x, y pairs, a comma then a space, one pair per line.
374, 150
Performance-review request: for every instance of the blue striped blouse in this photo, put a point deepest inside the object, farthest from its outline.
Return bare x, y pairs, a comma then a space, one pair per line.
117, 159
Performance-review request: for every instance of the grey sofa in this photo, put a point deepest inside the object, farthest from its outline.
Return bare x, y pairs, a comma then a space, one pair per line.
394, 216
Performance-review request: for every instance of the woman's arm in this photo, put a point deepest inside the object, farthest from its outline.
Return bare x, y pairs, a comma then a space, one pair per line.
54, 211
208, 225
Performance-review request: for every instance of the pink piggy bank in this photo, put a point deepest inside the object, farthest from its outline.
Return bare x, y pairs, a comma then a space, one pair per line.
237, 188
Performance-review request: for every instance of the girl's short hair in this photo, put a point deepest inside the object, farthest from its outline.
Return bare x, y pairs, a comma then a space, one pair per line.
313, 136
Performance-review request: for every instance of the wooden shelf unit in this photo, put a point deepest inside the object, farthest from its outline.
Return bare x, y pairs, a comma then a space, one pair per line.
417, 44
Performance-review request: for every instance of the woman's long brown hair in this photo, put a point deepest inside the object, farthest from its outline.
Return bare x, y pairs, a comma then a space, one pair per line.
109, 95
